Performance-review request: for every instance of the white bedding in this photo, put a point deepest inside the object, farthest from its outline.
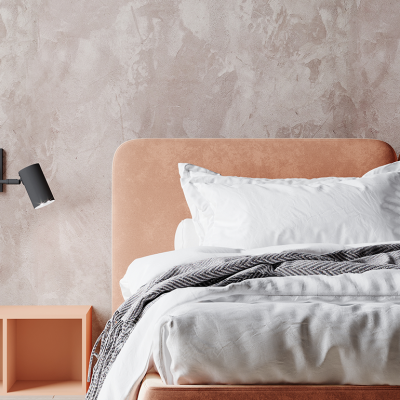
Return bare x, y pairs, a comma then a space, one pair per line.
363, 308
263, 341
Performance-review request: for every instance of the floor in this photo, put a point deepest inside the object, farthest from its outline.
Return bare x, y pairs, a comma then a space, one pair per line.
42, 397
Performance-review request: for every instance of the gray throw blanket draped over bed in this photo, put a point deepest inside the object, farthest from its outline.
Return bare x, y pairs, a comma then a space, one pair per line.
222, 271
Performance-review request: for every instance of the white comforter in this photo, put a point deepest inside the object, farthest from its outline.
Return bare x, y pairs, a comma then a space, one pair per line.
341, 329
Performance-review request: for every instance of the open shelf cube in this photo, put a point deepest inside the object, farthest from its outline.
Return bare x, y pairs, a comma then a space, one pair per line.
46, 349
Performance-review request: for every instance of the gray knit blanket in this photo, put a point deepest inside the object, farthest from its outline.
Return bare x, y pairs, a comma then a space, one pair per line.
223, 271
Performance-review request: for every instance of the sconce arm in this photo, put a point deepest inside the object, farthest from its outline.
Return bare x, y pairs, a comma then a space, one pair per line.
10, 181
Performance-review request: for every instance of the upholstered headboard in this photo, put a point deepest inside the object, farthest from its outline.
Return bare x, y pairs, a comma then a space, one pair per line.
148, 202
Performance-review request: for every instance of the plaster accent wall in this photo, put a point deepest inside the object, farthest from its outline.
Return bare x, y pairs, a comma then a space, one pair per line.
80, 77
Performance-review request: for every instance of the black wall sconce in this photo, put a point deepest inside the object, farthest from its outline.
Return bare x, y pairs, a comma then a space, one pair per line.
35, 183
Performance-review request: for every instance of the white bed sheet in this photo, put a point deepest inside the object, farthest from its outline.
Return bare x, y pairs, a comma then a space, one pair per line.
374, 288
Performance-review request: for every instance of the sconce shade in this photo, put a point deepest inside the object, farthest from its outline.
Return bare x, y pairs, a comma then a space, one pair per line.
36, 185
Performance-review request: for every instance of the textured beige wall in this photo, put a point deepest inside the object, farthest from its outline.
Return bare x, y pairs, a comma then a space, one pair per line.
79, 77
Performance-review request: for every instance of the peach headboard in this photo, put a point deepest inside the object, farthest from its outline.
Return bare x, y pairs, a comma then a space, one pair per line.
148, 202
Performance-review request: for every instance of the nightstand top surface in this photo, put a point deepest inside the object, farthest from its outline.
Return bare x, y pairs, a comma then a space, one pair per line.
45, 312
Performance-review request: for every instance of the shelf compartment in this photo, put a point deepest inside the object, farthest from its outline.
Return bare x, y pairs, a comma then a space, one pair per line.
44, 356
43, 388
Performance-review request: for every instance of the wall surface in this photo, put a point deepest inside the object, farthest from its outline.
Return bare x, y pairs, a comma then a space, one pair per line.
79, 77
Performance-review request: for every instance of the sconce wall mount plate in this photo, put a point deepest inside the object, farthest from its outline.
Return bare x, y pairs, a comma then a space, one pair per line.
1, 169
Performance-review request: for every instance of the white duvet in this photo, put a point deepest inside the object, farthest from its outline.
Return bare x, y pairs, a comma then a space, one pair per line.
304, 329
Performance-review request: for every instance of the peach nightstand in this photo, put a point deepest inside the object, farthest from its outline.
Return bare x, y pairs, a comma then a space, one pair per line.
44, 350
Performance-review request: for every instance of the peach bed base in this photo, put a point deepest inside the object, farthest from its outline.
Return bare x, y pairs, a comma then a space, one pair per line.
148, 204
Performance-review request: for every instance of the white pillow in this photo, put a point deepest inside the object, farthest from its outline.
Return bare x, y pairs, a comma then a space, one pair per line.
185, 235
249, 213
384, 169
199, 207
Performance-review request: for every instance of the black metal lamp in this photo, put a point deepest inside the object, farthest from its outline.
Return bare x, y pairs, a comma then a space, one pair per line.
34, 181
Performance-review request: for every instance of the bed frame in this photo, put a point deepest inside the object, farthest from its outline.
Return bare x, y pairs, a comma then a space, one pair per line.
148, 204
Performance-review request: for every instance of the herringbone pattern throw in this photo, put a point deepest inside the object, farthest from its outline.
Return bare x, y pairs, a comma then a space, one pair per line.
222, 272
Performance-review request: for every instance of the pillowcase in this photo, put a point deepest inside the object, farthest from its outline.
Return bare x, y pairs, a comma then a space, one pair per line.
384, 169
185, 235
249, 213
199, 207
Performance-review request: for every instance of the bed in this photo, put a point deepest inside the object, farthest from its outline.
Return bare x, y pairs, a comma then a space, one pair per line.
148, 204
